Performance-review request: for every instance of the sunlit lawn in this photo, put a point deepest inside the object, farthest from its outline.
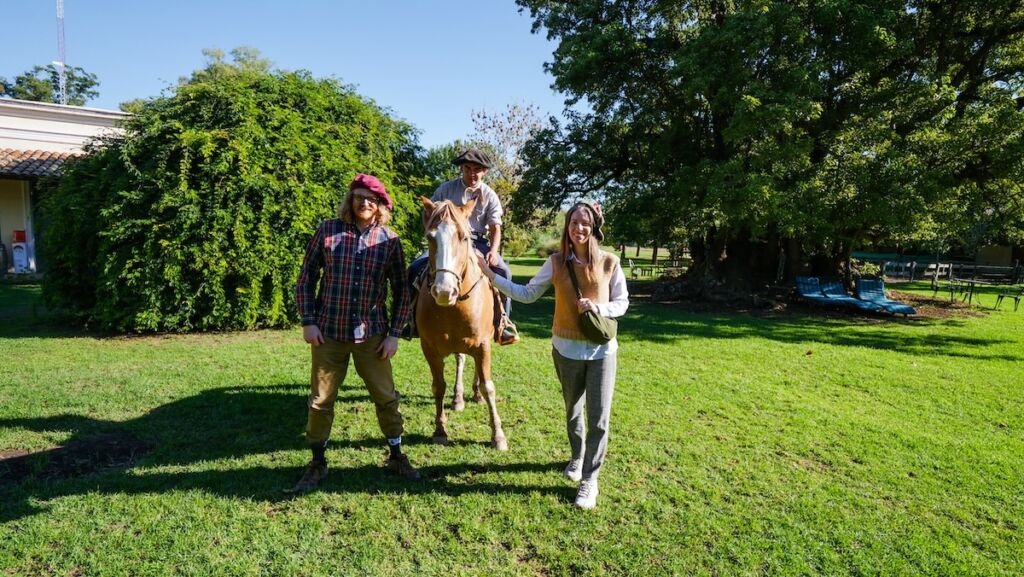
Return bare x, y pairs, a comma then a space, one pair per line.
796, 444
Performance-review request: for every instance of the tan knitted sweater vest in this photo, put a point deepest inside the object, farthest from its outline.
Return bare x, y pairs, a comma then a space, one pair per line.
594, 286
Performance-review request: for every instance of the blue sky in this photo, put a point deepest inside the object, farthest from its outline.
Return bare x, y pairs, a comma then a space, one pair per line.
431, 62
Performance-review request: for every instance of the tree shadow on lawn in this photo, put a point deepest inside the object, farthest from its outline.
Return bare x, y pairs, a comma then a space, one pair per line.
34, 325
644, 322
668, 324
219, 424
24, 315
657, 326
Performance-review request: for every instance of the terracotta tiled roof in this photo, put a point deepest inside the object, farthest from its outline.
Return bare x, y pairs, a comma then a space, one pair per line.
30, 163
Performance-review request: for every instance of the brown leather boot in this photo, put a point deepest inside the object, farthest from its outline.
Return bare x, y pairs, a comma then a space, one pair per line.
401, 466
315, 472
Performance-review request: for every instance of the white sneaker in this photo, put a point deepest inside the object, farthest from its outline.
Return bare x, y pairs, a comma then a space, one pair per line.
574, 470
586, 497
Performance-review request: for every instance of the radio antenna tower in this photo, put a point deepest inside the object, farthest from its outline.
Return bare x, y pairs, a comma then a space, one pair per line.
61, 63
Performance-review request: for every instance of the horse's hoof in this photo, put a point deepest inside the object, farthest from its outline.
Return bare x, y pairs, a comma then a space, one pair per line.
500, 444
478, 399
443, 441
458, 405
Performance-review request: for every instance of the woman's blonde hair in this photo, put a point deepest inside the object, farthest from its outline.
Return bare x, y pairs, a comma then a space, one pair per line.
593, 246
347, 213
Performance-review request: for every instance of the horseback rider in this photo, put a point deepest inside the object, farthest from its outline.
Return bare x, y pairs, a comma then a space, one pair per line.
485, 220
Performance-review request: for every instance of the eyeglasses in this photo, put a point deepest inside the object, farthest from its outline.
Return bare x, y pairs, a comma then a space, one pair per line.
367, 199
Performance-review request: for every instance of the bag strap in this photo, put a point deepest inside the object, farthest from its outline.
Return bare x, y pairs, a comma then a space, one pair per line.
572, 277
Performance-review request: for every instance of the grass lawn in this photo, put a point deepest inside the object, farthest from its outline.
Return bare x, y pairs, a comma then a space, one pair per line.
796, 444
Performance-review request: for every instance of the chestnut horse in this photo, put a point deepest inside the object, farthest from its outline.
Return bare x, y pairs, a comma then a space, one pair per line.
455, 310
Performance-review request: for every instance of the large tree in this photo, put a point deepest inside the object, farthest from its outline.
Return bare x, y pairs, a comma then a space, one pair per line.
197, 217
789, 130
42, 84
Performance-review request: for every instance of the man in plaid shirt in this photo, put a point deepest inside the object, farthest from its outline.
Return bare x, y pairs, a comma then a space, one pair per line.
351, 259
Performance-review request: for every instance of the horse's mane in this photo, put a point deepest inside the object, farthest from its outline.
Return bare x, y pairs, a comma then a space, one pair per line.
444, 211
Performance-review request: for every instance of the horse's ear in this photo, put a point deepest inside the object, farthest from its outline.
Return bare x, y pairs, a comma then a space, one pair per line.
428, 210
467, 209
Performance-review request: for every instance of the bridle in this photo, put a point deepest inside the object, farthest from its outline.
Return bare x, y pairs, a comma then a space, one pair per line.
459, 277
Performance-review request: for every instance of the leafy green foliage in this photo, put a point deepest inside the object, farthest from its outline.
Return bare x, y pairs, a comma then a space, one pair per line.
42, 84
805, 126
198, 217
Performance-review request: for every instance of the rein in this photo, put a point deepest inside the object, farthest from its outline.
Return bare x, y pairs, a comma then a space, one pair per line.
471, 289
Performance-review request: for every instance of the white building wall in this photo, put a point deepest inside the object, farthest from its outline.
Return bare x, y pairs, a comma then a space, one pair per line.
52, 127
40, 126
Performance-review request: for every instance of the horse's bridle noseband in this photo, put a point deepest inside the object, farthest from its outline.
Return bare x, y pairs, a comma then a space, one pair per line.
460, 278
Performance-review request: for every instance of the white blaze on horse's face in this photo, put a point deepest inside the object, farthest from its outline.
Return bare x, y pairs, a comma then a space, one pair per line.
445, 289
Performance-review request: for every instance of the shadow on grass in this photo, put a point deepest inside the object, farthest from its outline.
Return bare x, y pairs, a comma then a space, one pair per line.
667, 324
645, 322
217, 424
660, 324
24, 315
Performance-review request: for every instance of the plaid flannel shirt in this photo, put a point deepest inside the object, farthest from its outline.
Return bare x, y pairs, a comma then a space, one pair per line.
351, 268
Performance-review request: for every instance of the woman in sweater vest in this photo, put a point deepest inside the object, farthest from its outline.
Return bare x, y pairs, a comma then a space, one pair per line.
585, 369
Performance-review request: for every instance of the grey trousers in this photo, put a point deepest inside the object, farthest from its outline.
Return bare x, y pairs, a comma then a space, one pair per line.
589, 383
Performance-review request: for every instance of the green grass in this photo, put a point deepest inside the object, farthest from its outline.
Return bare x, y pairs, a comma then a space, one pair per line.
800, 444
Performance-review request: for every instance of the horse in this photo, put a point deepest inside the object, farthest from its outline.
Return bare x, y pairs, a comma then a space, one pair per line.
455, 311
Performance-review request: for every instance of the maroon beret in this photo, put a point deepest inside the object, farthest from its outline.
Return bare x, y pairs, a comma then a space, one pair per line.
374, 185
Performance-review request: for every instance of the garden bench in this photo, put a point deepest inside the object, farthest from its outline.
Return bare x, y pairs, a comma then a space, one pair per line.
640, 270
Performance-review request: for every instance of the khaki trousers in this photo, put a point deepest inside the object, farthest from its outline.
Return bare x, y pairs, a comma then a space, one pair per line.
330, 365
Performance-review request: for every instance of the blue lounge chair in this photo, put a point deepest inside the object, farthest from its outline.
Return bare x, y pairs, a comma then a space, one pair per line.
810, 289
838, 295
873, 291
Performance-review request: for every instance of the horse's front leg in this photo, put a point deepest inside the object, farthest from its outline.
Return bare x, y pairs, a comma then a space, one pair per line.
457, 401
437, 384
483, 373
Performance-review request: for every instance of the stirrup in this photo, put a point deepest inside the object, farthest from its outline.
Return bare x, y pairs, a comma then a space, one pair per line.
507, 333
409, 331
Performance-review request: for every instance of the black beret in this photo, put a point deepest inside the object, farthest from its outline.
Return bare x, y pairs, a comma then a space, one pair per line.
475, 156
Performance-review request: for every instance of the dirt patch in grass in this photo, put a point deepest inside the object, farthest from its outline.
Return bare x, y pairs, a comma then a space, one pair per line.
939, 308
112, 450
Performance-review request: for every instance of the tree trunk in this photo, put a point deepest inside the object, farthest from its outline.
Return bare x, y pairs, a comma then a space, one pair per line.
654, 256
736, 262
794, 258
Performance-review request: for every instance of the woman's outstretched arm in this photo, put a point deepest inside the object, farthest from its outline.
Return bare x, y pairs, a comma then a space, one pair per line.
527, 293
